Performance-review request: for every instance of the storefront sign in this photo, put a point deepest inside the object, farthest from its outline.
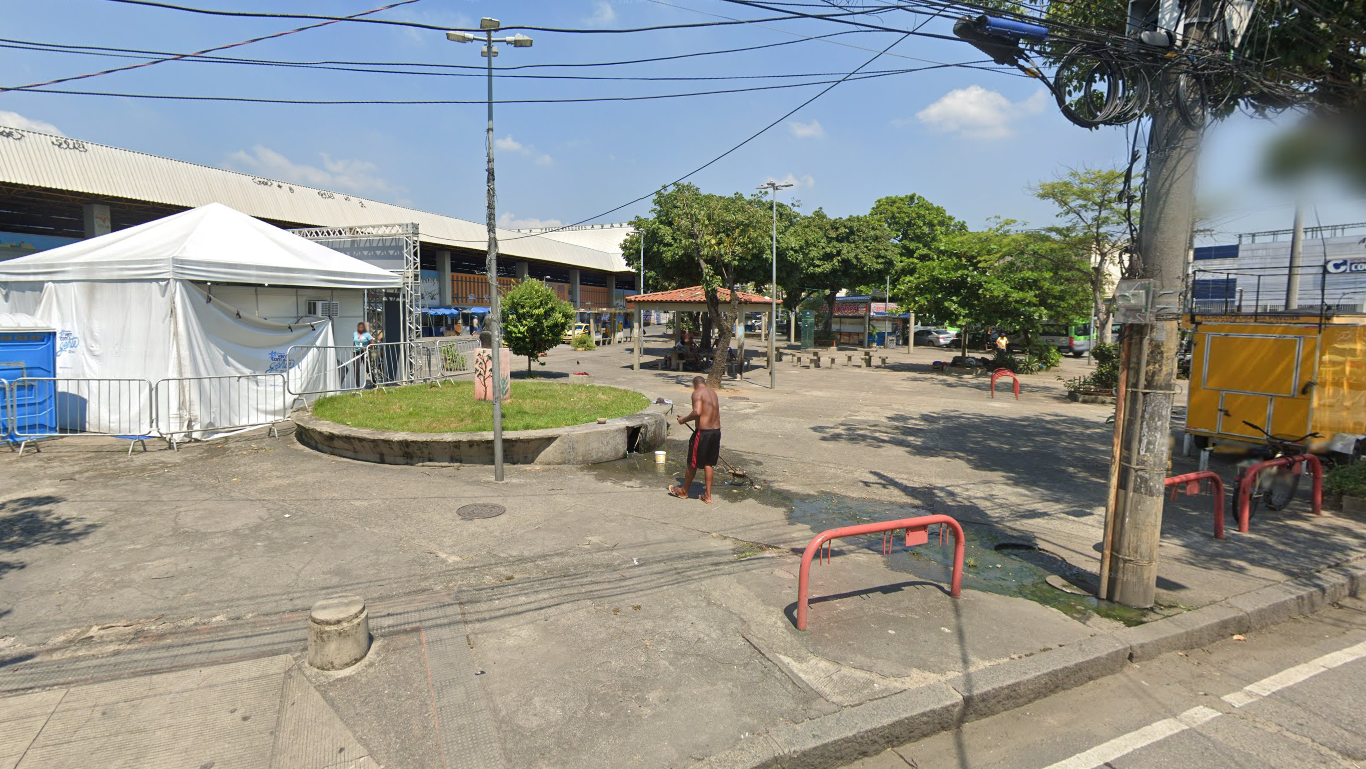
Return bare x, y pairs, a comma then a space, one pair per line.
1342, 266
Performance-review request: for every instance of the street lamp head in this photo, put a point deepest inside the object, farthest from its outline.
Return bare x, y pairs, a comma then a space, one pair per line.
520, 41
460, 37
488, 25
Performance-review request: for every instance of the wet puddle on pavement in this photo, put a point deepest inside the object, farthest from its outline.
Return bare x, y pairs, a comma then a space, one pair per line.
996, 560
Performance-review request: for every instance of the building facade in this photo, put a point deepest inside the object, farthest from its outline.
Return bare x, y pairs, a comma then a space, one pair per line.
1254, 274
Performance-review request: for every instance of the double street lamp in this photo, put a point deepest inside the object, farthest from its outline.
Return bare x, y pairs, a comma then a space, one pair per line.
773, 188
489, 26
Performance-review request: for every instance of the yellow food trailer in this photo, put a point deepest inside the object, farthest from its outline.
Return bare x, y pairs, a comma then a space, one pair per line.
1290, 374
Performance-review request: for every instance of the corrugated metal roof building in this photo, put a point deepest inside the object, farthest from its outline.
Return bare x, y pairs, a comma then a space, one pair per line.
50, 185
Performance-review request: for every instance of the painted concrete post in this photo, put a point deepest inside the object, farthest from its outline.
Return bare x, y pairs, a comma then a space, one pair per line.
443, 272
97, 219
640, 340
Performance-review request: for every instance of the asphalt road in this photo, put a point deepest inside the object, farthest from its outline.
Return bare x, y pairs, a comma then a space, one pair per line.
1291, 696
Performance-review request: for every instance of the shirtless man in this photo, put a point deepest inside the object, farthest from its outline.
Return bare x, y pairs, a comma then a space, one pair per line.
705, 447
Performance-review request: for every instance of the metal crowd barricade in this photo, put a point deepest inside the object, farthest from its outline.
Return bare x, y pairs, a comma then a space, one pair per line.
51, 407
6, 408
382, 364
203, 406
455, 356
349, 366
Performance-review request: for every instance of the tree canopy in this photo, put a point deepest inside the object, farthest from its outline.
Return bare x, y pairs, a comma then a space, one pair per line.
1096, 209
716, 241
834, 254
1001, 276
533, 319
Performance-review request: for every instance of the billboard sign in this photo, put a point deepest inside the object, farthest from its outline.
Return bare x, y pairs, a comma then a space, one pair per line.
1344, 266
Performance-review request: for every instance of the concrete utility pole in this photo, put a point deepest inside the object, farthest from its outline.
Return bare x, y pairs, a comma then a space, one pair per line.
1134, 516
1292, 276
773, 188
494, 326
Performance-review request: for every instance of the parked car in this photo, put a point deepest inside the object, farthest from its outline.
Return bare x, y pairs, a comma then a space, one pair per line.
578, 330
935, 337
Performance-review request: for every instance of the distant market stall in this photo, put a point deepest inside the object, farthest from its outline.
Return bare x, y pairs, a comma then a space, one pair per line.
182, 298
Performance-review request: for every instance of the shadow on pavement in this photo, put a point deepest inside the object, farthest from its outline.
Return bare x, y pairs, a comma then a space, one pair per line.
27, 522
1061, 458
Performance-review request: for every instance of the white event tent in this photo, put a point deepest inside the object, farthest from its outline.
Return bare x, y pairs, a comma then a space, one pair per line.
138, 304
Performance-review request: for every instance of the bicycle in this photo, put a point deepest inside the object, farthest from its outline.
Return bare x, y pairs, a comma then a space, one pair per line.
1276, 486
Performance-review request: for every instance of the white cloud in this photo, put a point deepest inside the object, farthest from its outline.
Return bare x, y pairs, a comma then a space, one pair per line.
358, 176
978, 113
812, 130
509, 144
804, 180
603, 14
506, 221
15, 120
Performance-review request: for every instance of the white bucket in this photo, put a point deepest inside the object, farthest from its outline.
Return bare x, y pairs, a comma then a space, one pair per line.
659, 457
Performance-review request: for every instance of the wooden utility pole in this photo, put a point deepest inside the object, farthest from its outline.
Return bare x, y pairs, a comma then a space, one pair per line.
1134, 517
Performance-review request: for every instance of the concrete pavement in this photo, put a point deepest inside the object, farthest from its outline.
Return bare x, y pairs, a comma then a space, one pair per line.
603, 623
1287, 697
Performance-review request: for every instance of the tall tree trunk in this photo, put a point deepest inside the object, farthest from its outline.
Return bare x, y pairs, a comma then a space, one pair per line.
830, 313
718, 318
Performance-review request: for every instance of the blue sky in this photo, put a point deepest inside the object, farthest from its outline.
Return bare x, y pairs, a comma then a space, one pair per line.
970, 140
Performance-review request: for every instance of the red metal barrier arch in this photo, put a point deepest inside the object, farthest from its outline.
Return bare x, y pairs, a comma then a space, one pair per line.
1014, 380
1192, 484
917, 533
1244, 491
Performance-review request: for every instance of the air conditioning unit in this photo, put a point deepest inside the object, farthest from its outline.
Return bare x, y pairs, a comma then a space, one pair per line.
321, 308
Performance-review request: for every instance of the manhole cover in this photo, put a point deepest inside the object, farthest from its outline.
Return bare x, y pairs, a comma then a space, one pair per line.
471, 512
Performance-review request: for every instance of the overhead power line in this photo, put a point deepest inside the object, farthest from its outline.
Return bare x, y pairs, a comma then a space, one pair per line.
746, 141
175, 57
100, 50
422, 73
439, 28
394, 68
571, 100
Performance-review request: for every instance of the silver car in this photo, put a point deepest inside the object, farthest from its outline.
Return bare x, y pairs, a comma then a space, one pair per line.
935, 337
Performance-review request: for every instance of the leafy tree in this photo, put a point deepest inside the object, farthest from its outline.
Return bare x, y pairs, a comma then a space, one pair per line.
719, 242
1000, 277
917, 226
831, 255
534, 319
1095, 206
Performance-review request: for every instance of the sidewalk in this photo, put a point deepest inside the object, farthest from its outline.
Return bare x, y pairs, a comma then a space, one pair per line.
600, 622
261, 713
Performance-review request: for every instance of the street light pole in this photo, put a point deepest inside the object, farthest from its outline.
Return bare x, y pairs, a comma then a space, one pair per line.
773, 188
489, 26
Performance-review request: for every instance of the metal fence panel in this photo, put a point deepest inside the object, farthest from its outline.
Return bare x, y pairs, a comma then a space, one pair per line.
384, 364
45, 407
5, 409
201, 407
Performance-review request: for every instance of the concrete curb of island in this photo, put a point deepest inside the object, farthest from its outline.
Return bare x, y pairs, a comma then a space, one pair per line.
572, 445
871, 727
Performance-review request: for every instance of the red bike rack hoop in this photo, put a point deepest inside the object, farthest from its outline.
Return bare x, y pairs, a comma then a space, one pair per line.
917, 533
1192, 483
1014, 380
1293, 462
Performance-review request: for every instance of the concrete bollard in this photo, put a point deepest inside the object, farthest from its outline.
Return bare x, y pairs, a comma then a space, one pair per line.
338, 632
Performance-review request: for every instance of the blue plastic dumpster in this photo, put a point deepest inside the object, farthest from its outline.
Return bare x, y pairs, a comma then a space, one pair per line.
28, 351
